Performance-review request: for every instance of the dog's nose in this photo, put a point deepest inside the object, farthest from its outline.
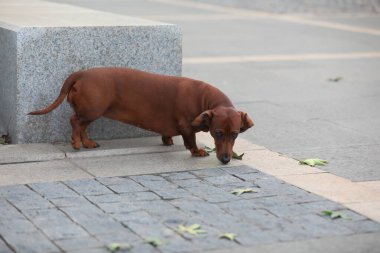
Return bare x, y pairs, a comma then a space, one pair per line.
225, 159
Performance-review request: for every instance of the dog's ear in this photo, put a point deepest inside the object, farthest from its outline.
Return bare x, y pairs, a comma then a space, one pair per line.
203, 121
246, 122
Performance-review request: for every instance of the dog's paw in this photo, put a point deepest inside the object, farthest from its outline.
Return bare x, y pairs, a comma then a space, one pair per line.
200, 153
90, 144
167, 141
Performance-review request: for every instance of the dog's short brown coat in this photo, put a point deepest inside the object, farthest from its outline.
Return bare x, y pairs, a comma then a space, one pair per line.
167, 105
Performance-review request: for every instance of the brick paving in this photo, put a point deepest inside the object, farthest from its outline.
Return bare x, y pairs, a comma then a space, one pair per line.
87, 214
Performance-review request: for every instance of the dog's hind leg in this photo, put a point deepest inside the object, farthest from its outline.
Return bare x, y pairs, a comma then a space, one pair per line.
87, 142
76, 129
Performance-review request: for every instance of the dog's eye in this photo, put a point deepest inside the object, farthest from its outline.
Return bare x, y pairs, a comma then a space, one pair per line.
234, 135
219, 135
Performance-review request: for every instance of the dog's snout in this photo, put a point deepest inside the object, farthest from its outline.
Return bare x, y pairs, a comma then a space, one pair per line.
225, 159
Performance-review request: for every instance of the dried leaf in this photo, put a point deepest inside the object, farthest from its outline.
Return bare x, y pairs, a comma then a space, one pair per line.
155, 242
229, 236
194, 229
115, 247
236, 156
334, 214
5, 139
240, 191
313, 161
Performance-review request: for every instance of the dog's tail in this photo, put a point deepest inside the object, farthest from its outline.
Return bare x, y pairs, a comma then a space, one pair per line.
70, 81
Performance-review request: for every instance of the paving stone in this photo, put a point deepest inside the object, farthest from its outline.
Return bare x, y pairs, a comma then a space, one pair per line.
139, 196
319, 206
52, 190
18, 225
111, 237
250, 177
8, 211
78, 201
211, 172
144, 178
156, 207
172, 193
93, 250
187, 183
105, 198
317, 226
362, 226
153, 229
237, 170
118, 207
55, 224
34, 242
178, 245
211, 193
94, 220
137, 216
224, 179
302, 197
160, 185
4, 248
282, 210
255, 236
77, 243
143, 247
178, 175
87, 187
121, 185
24, 198
213, 243
231, 186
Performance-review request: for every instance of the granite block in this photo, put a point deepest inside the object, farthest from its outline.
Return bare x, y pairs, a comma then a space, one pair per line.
36, 58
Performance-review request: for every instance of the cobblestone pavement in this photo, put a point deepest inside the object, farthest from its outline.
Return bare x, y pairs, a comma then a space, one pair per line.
87, 214
304, 6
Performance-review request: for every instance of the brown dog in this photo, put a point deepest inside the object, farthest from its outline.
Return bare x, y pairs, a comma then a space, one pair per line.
166, 105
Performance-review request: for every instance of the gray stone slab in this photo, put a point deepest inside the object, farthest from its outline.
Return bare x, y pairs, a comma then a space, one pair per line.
48, 49
29, 153
36, 172
52, 190
87, 187
122, 185
24, 198
34, 242
4, 248
76, 243
55, 224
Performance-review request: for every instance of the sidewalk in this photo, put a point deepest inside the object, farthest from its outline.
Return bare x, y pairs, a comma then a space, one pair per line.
57, 200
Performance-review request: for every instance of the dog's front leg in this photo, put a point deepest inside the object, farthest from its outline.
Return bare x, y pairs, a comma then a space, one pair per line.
190, 143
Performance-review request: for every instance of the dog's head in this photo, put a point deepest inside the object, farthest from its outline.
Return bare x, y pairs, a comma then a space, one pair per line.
224, 124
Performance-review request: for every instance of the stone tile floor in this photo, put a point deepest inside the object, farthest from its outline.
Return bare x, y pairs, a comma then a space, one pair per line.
85, 215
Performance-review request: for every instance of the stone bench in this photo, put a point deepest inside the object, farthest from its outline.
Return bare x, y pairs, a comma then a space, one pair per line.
41, 43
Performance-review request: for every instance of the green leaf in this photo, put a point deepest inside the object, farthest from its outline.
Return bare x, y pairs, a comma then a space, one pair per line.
240, 191
155, 242
209, 150
236, 156
115, 247
194, 229
229, 236
313, 161
334, 214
